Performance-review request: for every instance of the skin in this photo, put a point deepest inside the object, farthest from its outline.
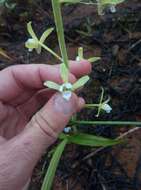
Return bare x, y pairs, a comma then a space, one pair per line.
31, 117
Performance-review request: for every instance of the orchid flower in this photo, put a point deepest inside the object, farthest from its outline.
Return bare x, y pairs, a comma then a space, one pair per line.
102, 105
37, 44
102, 4
66, 88
80, 56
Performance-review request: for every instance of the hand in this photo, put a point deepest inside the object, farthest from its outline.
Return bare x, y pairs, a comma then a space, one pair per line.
31, 117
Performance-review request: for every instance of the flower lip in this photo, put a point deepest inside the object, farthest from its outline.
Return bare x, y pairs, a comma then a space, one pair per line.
106, 107
67, 95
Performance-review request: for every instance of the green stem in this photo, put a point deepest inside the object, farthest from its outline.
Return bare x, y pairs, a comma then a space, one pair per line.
60, 30
91, 105
137, 123
52, 52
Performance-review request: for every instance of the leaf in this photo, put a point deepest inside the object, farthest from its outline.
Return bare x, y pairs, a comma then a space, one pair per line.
81, 82
64, 72
91, 140
46, 34
52, 85
47, 183
94, 59
69, 1
4, 54
113, 2
31, 32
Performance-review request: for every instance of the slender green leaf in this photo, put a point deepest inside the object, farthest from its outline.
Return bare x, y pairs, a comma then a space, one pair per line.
91, 140
31, 32
111, 2
81, 82
46, 34
94, 59
52, 85
70, 1
64, 73
47, 183
116, 123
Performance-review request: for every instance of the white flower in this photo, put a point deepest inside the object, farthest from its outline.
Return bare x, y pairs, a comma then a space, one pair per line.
67, 129
106, 107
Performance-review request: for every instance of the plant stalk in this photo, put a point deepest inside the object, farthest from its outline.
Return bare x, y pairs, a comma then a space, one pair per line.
137, 123
56, 5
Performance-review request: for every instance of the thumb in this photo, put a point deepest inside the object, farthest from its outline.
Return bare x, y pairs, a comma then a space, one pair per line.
27, 147
55, 115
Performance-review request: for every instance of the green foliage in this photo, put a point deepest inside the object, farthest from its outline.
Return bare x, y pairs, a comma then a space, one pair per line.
47, 183
90, 140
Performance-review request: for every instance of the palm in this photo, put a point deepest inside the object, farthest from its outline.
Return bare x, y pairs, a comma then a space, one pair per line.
16, 116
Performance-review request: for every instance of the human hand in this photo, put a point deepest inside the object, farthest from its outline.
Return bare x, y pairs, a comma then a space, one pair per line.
25, 131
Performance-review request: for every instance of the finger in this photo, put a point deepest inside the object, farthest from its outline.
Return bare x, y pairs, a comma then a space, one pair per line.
21, 79
54, 116
79, 68
40, 133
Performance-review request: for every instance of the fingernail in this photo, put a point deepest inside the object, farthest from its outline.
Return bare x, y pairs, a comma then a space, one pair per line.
64, 106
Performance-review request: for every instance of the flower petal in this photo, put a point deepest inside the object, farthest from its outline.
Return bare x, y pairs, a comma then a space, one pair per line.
46, 34
31, 32
81, 82
52, 85
93, 59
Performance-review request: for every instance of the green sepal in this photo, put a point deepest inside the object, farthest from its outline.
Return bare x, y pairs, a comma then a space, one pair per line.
31, 32
81, 82
64, 72
93, 59
52, 85
46, 34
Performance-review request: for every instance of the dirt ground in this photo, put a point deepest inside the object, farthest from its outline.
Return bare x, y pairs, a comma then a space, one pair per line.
116, 38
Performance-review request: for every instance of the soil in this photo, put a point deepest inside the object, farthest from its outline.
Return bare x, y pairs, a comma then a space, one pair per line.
116, 38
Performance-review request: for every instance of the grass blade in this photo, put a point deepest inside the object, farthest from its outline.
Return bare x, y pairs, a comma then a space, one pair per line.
47, 183
92, 140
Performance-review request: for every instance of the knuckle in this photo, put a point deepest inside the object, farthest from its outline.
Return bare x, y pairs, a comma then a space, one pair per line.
44, 124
